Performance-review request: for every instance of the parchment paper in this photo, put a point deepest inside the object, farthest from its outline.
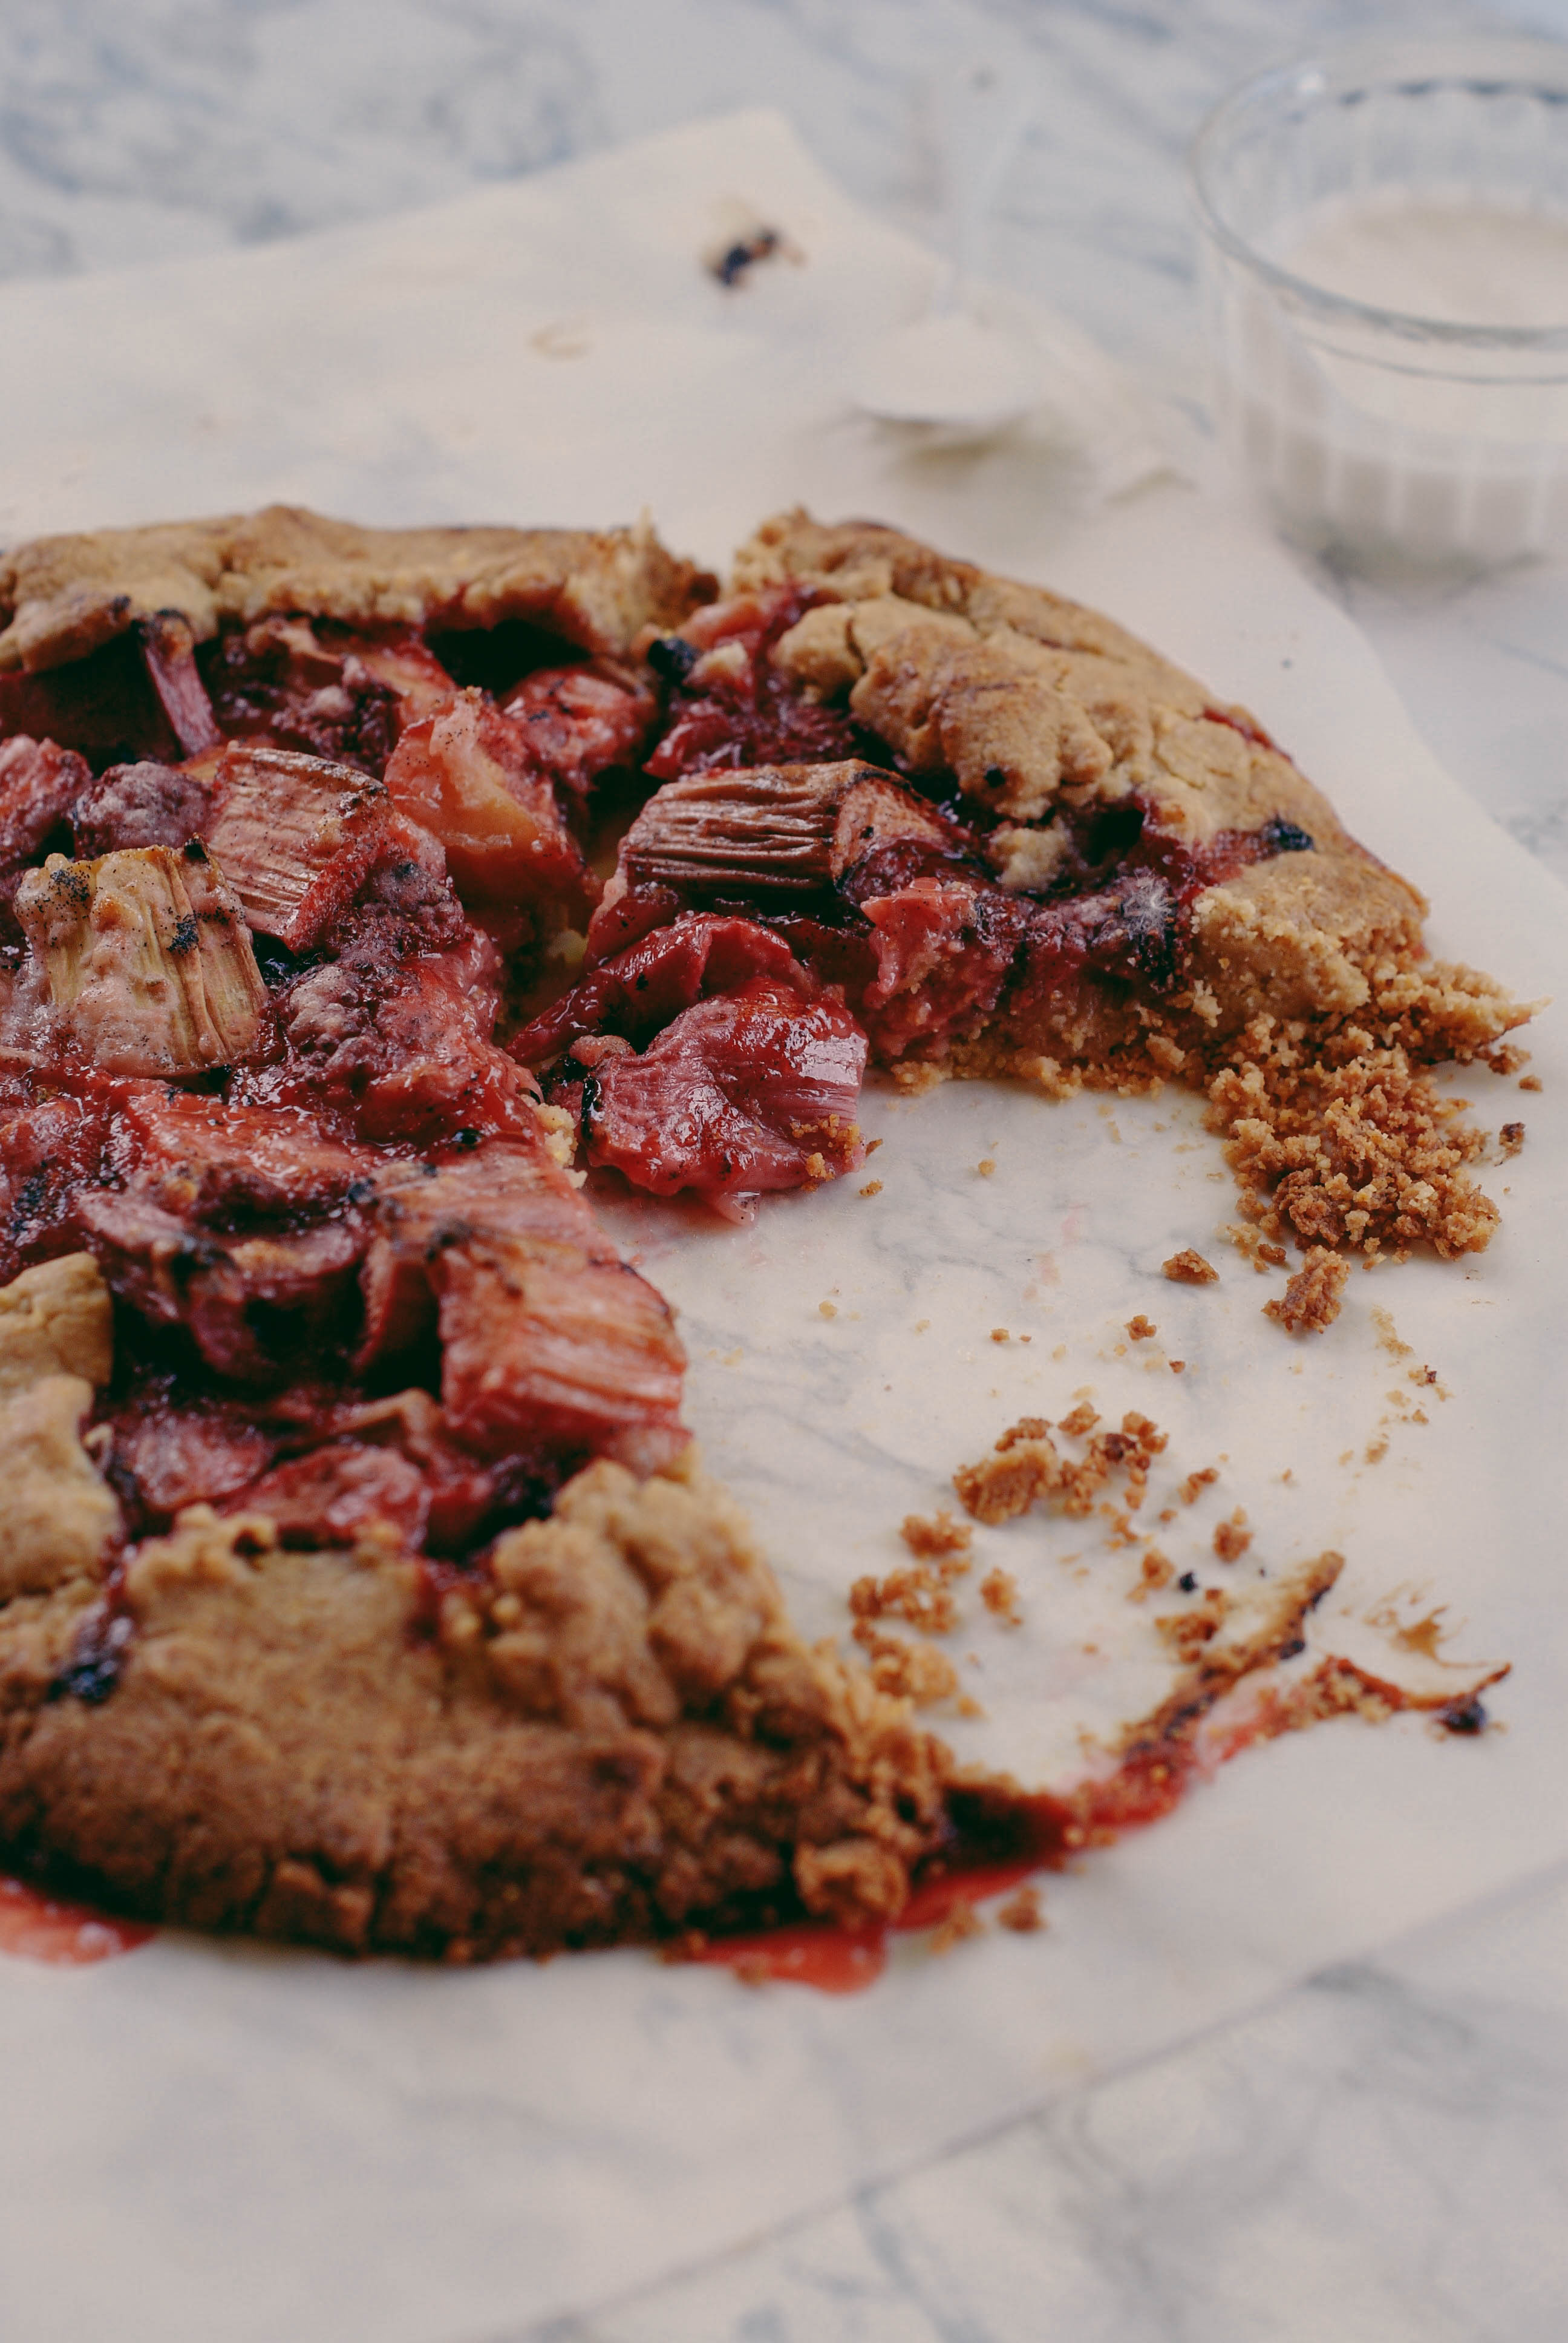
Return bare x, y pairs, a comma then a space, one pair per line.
210, 2141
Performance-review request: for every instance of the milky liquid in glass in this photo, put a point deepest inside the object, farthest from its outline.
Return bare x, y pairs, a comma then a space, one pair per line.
1365, 439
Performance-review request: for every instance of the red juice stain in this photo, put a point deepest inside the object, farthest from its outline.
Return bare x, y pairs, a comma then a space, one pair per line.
814, 1953
1000, 1838
38, 1927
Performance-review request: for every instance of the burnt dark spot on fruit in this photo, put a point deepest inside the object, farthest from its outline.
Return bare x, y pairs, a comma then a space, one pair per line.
467, 1137
1464, 1716
276, 963
97, 1655
1112, 832
672, 657
1286, 836
183, 939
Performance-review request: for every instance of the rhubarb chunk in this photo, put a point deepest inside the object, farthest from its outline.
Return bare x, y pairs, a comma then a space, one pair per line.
582, 721
147, 963
746, 1093
253, 1306
298, 837
466, 776
140, 695
778, 833
38, 786
640, 990
550, 1345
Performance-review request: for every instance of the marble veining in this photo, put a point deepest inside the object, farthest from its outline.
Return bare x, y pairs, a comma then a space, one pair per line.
1382, 2155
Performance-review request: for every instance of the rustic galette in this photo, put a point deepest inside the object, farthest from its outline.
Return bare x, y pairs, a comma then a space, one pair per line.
360, 1584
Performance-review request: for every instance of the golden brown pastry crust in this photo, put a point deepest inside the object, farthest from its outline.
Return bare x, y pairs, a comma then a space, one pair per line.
63, 596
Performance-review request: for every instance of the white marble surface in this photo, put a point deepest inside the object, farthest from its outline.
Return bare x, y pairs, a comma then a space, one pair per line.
1384, 2153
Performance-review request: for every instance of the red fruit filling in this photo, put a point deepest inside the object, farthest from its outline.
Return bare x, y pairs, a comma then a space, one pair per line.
352, 1284
749, 1092
727, 707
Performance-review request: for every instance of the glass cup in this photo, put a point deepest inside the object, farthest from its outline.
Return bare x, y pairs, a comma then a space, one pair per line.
1376, 433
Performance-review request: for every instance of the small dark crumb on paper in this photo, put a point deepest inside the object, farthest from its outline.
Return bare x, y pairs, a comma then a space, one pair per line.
732, 261
1511, 1139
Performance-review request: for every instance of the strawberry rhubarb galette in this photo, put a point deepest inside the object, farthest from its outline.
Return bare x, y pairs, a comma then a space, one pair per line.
359, 1583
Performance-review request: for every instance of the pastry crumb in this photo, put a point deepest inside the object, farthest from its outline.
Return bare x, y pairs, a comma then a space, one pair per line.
998, 1592
1026, 1465
915, 1593
1196, 1482
1001, 1335
1157, 1572
939, 1539
1530, 1081
1232, 1538
1311, 1301
827, 1309
872, 1188
1141, 1329
961, 1922
986, 1166
1022, 1912
917, 1672
1187, 1632
1190, 1267
1256, 1248
1511, 1139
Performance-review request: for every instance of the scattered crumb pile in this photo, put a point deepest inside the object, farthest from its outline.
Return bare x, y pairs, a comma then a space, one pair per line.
1356, 1146
1231, 1644
1026, 1465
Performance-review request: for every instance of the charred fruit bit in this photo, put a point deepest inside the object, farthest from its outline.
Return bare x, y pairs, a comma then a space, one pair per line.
148, 965
97, 1656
